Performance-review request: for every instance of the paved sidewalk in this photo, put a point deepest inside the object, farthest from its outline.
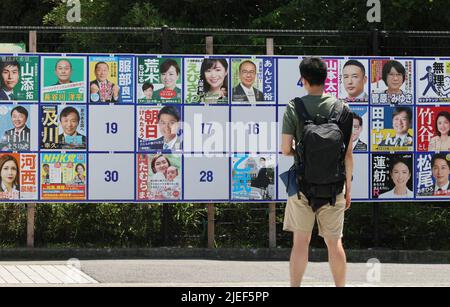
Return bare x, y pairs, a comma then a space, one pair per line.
199, 273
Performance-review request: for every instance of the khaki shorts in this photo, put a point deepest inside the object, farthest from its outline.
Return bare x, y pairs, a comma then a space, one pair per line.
299, 217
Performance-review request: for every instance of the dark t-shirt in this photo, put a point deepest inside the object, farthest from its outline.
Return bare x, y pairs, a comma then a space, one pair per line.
321, 105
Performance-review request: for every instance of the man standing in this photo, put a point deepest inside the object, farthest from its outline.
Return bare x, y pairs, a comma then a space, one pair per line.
299, 215
245, 92
103, 90
10, 78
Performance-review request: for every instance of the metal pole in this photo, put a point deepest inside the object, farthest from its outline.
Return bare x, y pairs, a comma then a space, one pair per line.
165, 46
270, 50
376, 206
31, 208
211, 207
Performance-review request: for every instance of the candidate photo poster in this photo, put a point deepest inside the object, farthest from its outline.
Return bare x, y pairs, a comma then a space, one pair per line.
206, 80
433, 171
159, 177
360, 135
111, 79
253, 177
433, 129
63, 176
353, 79
433, 81
392, 176
63, 127
19, 78
159, 80
392, 81
18, 180
63, 79
159, 128
253, 81
392, 129
18, 127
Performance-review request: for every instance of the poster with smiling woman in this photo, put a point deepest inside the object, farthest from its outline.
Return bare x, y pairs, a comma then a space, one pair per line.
159, 80
206, 80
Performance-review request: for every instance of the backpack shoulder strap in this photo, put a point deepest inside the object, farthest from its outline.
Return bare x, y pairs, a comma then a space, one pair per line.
337, 111
300, 109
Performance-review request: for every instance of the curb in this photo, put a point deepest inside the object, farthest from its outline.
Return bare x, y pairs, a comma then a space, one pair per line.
281, 254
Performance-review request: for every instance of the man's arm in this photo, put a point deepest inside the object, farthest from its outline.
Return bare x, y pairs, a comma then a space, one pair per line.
286, 145
348, 174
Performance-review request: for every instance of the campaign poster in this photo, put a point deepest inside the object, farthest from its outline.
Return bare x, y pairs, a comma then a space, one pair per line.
18, 127
433, 81
360, 134
159, 177
63, 127
111, 79
433, 129
392, 81
432, 175
19, 177
253, 80
206, 80
392, 176
63, 176
253, 177
63, 79
353, 80
19, 78
159, 128
159, 80
347, 79
392, 129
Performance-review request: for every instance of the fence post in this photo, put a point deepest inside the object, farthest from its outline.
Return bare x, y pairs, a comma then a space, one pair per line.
209, 45
31, 208
211, 207
376, 206
270, 50
165, 45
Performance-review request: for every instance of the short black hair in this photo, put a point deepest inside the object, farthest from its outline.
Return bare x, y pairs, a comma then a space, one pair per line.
170, 110
359, 118
439, 156
165, 66
400, 160
314, 70
397, 66
407, 110
21, 110
147, 85
356, 63
69, 110
8, 61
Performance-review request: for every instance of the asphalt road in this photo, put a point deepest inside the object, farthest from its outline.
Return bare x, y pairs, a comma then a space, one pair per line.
212, 273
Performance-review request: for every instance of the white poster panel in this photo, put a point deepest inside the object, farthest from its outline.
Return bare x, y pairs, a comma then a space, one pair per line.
206, 178
111, 128
206, 129
253, 129
111, 177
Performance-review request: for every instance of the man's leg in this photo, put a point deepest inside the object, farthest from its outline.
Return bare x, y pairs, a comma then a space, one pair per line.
299, 257
337, 260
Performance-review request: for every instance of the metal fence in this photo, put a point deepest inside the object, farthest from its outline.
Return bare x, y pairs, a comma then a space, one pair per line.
261, 224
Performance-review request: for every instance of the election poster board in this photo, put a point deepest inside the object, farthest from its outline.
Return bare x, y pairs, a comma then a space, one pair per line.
196, 128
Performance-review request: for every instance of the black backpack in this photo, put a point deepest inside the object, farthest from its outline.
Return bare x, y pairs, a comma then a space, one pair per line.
321, 156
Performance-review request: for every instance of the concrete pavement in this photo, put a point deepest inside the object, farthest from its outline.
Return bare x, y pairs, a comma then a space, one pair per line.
213, 273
